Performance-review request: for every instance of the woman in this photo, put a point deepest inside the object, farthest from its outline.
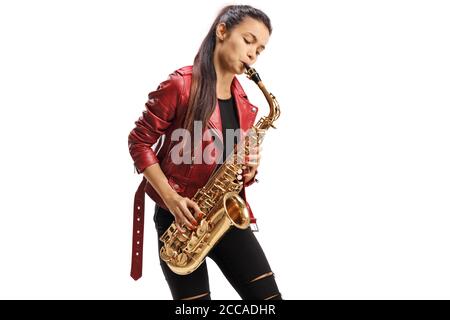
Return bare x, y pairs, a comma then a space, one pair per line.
208, 92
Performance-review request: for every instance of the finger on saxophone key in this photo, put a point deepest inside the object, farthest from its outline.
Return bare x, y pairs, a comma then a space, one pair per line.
190, 220
197, 212
179, 228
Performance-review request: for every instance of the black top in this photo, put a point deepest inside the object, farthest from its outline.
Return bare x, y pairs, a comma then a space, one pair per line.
230, 120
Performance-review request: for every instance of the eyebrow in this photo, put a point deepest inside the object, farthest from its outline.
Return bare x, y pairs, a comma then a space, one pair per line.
256, 39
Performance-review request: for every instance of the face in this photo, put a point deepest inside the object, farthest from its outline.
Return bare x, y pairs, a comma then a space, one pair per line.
243, 44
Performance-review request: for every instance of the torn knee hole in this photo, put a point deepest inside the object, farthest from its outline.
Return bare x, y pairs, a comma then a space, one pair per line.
272, 296
265, 275
197, 296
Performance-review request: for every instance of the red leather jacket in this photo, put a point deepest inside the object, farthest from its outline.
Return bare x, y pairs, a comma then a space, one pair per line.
165, 111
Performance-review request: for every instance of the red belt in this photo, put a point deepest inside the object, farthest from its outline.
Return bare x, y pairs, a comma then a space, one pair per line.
138, 231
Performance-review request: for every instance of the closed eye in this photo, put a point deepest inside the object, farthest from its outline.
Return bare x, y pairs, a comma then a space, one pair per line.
250, 42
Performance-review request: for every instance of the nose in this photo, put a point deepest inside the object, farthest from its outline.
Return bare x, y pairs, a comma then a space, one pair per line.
252, 56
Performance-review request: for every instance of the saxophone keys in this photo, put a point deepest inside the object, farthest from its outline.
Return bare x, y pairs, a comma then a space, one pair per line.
202, 229
182, 236
239, 177
163, 255
182, 259
167, 253
204, 224
200, 232
170, 252
199, 249
192, 243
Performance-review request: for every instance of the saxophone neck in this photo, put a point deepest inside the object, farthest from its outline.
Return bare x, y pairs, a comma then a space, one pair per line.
274, 108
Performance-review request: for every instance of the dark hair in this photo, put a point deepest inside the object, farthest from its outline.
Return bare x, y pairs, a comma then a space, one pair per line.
202, 98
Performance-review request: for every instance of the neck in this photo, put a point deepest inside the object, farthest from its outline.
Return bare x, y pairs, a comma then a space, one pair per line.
224, 79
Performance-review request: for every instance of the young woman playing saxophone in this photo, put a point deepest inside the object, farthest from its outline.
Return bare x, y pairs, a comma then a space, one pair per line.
208, 92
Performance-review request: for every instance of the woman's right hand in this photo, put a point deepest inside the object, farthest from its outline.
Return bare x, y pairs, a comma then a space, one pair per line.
179, 206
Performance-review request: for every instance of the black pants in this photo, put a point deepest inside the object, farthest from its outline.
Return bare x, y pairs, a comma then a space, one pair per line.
238, 255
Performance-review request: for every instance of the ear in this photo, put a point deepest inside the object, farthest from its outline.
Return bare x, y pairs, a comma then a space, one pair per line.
221, 31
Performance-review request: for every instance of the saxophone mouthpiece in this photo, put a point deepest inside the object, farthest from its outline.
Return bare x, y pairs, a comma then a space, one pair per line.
252, 74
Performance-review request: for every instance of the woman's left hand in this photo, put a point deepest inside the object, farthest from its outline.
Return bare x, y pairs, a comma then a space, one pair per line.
251, 163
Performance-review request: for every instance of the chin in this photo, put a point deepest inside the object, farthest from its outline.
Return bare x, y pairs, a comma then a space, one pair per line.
240, 69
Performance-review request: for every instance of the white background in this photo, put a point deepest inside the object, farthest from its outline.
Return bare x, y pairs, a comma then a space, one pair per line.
353, 199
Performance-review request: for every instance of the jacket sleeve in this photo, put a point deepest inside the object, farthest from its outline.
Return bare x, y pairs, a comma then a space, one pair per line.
160, 110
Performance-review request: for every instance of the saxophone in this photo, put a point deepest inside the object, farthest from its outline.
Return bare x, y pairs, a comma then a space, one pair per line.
218, 200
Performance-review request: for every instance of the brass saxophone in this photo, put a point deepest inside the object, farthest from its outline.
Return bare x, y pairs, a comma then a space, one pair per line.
218, 200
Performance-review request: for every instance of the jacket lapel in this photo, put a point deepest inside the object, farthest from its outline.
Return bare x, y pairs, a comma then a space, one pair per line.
245, 110
215, 121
